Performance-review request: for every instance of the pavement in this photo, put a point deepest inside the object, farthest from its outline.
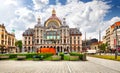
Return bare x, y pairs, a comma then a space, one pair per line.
115, 65
93, 65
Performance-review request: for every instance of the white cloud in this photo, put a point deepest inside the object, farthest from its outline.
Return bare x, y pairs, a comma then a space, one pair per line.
11, 2
89, 16
39, 4
108, 23
7, 8
25, 19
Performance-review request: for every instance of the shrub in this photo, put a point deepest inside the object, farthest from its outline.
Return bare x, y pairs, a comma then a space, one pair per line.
66, 57
12, 56
41, 56
74, 54
46, 55
62, 55
81, 56
29, 55
4, 55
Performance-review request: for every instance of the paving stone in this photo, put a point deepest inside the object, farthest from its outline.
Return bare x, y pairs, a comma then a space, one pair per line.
55, 67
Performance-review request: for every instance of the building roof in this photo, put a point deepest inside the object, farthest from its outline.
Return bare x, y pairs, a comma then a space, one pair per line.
62, 26
28, 32
53, 17
115, 24
38, 25
75, 31
2, 26
97, 43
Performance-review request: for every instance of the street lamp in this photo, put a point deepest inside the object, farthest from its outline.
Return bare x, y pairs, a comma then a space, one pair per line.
116, 52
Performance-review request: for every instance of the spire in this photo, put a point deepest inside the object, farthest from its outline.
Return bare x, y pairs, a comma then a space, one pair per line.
64, 21
13, 31
38, 20
53, 12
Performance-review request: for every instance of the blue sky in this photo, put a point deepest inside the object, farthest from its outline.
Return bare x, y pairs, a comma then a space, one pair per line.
113, 11
87, 15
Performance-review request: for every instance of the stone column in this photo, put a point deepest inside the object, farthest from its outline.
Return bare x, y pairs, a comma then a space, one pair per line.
62, 49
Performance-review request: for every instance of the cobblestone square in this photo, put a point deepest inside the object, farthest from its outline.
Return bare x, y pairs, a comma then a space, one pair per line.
57, 67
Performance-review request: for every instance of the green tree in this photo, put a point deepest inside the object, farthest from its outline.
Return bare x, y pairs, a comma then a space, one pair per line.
19, 45
103, 47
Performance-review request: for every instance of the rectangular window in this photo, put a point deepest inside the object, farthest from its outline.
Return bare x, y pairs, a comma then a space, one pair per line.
78, 42
2, 36
74, 42
29, 37
64, 41
74, 37
41, 41
29, 42
25, 42
37, 41
2, 41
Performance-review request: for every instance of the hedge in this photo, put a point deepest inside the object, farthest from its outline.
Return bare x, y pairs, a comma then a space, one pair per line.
28, 55
62, 55
66, 57
46, 55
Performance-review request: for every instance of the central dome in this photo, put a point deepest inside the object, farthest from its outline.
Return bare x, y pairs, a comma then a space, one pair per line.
53, 18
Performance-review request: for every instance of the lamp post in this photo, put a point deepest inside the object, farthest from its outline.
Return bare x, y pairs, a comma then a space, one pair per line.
85, 43
116, 36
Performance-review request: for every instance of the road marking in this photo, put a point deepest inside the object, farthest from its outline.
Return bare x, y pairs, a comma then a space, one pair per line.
69, 69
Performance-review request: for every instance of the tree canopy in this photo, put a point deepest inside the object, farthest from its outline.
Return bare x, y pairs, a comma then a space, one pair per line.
103, 46
18, 44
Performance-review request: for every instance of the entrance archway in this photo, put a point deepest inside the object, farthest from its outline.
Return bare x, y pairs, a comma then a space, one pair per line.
67, 49
58, 49
61, 48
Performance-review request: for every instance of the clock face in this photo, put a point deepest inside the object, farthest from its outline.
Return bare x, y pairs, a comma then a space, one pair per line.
52, 24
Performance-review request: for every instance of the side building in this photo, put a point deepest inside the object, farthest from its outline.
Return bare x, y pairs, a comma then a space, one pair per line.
54, 33
7, 41
112, 33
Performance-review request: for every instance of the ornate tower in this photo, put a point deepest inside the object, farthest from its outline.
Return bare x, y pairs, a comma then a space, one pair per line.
38, 20
53, 12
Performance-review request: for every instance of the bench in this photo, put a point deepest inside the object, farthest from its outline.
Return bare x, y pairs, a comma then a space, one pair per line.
21, 57
74, 58
4, 57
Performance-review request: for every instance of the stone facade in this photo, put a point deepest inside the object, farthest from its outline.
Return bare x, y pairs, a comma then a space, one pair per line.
7, 41
53, 34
